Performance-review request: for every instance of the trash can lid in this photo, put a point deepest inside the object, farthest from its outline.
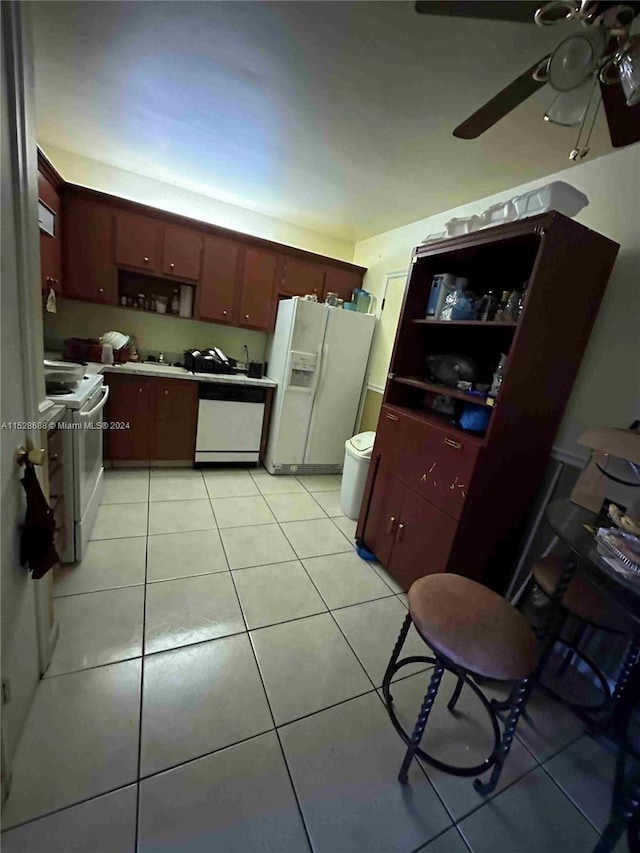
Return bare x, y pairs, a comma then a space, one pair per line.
362, 444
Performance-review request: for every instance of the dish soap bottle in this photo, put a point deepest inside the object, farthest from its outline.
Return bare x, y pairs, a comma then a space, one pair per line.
498, 376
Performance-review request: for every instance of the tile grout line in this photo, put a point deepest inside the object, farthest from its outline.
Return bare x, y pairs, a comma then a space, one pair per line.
142, 668
266, 696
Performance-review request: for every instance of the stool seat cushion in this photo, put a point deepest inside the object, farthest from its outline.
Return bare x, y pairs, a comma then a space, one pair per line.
581, 599
473, 626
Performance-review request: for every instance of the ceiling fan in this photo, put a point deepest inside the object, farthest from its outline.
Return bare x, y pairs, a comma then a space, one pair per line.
602, 55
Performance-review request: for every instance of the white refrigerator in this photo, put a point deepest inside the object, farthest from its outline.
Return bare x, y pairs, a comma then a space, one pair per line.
318, 356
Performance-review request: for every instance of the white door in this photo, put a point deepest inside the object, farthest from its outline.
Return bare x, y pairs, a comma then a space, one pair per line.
300, 337
21, 347
345, 353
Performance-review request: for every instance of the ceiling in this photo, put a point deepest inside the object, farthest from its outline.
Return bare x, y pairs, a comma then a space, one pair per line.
334, 116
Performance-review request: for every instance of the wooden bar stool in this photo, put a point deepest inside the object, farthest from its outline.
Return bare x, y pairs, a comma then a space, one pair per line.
470, 630
588, 608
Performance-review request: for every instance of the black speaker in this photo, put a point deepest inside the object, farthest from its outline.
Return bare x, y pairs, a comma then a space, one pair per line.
255, 370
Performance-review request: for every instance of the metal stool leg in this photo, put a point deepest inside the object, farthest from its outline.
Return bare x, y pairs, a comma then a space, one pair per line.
520, 695
456, 694
402, 636
421, 722
625, 813
627, 668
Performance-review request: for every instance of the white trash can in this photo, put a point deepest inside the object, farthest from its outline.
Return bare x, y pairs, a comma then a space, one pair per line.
354, 474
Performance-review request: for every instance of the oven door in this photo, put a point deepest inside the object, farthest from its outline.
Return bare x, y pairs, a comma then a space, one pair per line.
88, 470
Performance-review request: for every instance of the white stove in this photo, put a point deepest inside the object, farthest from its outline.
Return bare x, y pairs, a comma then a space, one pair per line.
83, 428
76, 398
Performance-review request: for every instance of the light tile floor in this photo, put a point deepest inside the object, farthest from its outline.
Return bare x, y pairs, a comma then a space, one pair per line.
216, 688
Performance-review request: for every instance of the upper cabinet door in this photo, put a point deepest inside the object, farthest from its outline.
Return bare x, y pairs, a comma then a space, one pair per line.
342, 282
181, 252
219, 281
90, 272
137, 241
258, 289
50, 236
301, 277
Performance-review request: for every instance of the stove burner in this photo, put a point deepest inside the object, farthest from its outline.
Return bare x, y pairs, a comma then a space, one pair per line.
55, 389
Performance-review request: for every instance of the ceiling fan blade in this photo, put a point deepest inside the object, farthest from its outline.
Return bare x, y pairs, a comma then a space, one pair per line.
501, 105
520, 11
623, 121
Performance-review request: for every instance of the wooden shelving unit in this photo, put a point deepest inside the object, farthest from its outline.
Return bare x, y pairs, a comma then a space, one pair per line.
438, 498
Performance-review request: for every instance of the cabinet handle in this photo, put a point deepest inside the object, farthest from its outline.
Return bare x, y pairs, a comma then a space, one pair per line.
392, 523
53, 457
146, 260
101, 290
165, 391
139, 390
224, 313
172, 266
246, 316
392, 417
452, 443
400, 532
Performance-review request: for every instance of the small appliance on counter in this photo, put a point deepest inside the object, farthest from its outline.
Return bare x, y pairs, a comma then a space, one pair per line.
209, 361
90, 349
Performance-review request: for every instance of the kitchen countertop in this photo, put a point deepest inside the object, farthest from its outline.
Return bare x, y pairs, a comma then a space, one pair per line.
151, 369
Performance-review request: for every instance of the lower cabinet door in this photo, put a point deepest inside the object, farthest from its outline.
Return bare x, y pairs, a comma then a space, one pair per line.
423, 539
129, 414
175, 419
384, 514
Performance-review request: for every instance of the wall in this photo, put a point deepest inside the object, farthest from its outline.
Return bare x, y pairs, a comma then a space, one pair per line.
152, 331
119, 182
607, 389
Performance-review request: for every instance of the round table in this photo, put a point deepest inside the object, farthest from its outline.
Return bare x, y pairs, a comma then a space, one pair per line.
570, 522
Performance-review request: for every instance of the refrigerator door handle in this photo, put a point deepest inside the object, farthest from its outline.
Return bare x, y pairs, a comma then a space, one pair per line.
322, 359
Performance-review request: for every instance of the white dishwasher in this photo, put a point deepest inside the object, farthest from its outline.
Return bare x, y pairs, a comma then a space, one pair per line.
230, 421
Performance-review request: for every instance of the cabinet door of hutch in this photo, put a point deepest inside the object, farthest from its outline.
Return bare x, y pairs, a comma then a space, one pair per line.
423, 539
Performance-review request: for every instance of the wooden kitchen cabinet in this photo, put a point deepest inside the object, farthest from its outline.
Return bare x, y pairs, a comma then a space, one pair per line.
342, 282
50, 244
130, 402
162, 415
466, 497
301, 277
182, 249
176, 419
220, 281
239, 278
258, 289
89, 271
137, 242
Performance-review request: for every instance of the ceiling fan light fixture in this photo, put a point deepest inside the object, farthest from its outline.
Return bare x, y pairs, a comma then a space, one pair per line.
628, 62
575, 59
556, 11
568, 109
